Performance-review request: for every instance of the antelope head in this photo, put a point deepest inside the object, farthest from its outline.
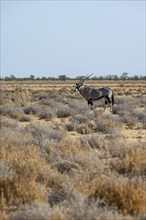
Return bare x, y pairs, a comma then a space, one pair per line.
80, 83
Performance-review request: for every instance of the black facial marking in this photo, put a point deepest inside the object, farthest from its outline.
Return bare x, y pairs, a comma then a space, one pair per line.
78, 86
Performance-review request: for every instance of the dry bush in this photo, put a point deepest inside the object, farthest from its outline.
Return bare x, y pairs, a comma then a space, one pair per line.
72, 125
21, 97
69, 159
55, 107
84, 129
15, 115
77, 120
128, 92
62, 157
95, 141
46, 113
125, 105
88, 165
83, 208
98, 113
131, 159
141, 117
126, 196
8, 122
57, 196
80, 118
39, 95
129, 120
3, 215
11, 111
78, 206
6, 172
62, 151
63, 111
12, 133
46, 135
32, 110
80, 128
50, 98
6, 98
5, 101
109, 126
39, 211
126, 109
49, 102
142, 100
66, 166
78, 106
22, 187
120, 93
24, 118
25, 167
81, 123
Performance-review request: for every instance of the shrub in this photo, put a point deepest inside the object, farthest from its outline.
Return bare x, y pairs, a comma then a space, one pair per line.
72, 126
63, 112
78, 106
96, 142
131, 159
66, 166
24, 118
11, 111
129, 120
47, 114
84, 129
141, 116
15, 115
45, 135
16, 135
80, 118
125, 105
142, 100
56, 197
40, 211
21, 97
49, 102
4, 215
108, 126
6, 172
5, 101
8, 122
98, 113
80, 123
126, 196
32, 110
20, 188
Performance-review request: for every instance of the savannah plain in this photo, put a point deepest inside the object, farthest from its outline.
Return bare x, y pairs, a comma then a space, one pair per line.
60, 160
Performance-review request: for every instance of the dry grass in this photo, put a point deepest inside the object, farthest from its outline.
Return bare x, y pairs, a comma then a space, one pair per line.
127, 197
59, 160
131, 159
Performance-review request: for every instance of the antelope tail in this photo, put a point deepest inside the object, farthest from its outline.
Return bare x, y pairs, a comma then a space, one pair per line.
113, 100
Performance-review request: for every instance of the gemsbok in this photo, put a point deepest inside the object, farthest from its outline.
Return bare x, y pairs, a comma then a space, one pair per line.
93, 94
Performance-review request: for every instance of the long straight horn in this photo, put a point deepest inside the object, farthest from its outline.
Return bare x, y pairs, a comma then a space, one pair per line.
82, 80
86, 78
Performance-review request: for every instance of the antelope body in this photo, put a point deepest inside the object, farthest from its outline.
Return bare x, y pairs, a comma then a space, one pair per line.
93, 94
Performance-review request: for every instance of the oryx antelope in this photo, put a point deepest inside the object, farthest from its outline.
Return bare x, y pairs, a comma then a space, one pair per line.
92, 94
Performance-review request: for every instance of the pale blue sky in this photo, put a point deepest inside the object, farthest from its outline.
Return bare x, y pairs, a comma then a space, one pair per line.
51, 38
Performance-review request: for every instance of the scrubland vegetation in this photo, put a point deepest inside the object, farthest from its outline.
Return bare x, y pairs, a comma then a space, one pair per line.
59, 160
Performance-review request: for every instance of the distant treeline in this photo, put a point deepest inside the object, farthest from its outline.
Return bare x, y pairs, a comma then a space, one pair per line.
123, 76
